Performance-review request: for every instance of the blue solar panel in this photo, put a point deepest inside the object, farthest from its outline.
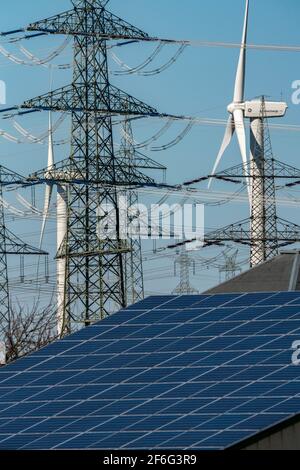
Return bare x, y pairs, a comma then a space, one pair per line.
81, 425
223, 421
216, 300
15, 425
189, 438
281, 298
281, 313
262, 420
216, 314
199, 372
47, 425
187, 422
252, 299
285, 390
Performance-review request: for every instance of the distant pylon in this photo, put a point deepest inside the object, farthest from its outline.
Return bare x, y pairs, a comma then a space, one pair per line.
230, 267
185, 263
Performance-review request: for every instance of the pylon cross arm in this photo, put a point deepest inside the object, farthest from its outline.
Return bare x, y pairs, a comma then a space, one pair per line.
234, 232
90, 3
8, 177
74, 172
96, 247
101, 23
278, 170
240, 232
15, 246
68, 99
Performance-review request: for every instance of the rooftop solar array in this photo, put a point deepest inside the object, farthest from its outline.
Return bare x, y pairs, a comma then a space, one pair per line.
187, 372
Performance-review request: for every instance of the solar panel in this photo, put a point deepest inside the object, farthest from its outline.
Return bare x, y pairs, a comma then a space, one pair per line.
193, 372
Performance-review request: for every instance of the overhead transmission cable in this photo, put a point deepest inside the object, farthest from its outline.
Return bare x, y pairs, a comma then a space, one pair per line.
130, 70
139, 69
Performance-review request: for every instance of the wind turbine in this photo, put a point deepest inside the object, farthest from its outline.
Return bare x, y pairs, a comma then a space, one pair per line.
240, 109
61, 227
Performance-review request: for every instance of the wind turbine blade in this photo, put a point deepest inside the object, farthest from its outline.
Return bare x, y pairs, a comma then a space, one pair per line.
48, 195
238, 115
49, 187
50, 144
239, 88
226, 141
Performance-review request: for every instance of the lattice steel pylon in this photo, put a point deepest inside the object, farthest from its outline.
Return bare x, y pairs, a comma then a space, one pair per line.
10, 244
185, 264
230, 267
95, 280
263, 193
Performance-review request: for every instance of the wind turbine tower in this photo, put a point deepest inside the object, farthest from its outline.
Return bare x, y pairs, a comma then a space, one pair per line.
61, 226
256, 111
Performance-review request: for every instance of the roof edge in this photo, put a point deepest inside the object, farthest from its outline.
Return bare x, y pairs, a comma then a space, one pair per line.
265, 433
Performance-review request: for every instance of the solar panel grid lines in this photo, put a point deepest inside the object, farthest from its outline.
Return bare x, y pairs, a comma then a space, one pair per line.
179, 439
286, 389
151, 383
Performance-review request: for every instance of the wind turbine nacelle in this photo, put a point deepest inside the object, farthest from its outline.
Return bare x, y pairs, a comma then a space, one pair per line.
273, 109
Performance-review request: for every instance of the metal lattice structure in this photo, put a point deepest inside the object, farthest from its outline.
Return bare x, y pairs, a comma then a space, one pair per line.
237, 173
95, 274
185, 264
4, 289
10, 244
240, 232
230, 267
263, 194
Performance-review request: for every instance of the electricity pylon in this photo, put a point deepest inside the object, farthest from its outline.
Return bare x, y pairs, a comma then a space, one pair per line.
185, 264
10, 244
230, 267
95, 280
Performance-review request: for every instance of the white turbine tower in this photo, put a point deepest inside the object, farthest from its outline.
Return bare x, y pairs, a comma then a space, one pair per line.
61, 224
255, 110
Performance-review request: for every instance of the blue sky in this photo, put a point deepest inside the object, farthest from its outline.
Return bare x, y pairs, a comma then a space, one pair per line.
199, 84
